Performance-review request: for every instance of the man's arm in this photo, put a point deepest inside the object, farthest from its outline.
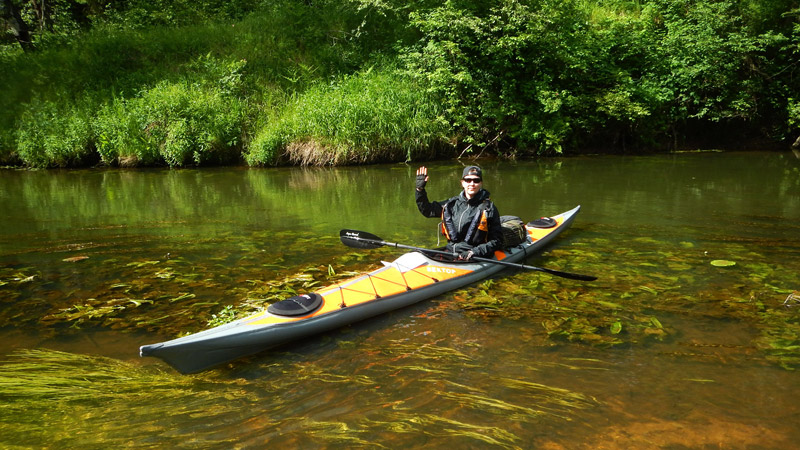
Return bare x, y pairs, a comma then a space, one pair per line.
425, 206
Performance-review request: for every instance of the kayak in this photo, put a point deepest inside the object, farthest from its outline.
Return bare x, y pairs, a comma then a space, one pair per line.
411, 278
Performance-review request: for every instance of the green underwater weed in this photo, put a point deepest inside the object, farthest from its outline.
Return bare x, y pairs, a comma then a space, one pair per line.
61, 399
642, 283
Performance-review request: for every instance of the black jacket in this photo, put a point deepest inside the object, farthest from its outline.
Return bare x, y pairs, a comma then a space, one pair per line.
463, 212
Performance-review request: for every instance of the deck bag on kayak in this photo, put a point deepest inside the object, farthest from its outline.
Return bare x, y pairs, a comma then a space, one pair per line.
298, 305
513, 231
544, 222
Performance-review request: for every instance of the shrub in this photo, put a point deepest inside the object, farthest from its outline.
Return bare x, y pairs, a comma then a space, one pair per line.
176, 123
505, 68
794, 114
55, 135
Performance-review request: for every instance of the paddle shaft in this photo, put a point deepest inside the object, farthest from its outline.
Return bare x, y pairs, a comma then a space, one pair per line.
573, 276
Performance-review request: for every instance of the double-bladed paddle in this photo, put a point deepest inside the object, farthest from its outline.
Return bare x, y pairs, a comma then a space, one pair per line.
362, 239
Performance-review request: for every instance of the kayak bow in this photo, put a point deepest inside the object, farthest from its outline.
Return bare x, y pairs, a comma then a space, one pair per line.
409, 279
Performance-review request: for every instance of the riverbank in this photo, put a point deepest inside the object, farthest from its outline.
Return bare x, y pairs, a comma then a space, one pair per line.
144, 84
311, 154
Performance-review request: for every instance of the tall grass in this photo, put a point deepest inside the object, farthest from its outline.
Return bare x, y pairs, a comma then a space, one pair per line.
55, 134
175, 123
372, 116
158, 102
53, 100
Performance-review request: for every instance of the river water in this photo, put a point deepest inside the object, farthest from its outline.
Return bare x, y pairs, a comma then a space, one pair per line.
690, 338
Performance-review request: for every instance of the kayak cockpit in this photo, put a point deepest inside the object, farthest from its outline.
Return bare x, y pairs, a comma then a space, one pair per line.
299, 305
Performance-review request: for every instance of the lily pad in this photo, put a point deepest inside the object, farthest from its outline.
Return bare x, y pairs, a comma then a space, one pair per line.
722, 263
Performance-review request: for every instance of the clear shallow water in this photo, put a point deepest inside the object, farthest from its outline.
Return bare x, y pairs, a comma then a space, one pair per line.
664, 350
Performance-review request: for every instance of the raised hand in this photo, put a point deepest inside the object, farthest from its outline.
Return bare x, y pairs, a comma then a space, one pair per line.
422, 178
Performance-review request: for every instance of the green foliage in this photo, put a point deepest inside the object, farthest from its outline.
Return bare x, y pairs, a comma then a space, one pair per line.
225, 315
702, 46
555, 74
288, 47
794, 113
375, 115
50, 23
7, 145
537, 70
720, 64
114, 64
175, 123
540, 76
149, 13
55, 135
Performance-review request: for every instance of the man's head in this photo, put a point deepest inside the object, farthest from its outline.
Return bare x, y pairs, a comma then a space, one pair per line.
472, 180
472, 171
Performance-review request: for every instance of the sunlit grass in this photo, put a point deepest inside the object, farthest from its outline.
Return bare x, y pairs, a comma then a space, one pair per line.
373, 116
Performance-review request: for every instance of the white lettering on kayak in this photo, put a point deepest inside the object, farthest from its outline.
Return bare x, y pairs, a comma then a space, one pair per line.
440, 270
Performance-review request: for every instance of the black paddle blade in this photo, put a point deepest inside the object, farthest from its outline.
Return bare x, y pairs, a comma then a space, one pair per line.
571, 276
362, 239
359, 239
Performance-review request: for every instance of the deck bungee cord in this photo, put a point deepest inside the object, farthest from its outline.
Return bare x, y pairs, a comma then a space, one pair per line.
401, 269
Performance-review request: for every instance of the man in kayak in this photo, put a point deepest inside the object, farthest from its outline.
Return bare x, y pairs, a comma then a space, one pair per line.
470, 221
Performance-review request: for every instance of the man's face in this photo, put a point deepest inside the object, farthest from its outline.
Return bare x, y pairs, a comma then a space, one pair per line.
471, 184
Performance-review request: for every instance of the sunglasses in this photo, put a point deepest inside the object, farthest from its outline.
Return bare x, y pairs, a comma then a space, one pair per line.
472, 180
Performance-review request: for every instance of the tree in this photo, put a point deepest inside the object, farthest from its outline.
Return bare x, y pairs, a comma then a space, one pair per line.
10, 14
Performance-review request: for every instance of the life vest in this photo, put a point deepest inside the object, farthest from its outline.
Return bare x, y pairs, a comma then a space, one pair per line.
478, 231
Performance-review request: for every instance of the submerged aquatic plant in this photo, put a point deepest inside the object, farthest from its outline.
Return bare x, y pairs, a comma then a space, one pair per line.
175, 294
642, 281
59, 399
